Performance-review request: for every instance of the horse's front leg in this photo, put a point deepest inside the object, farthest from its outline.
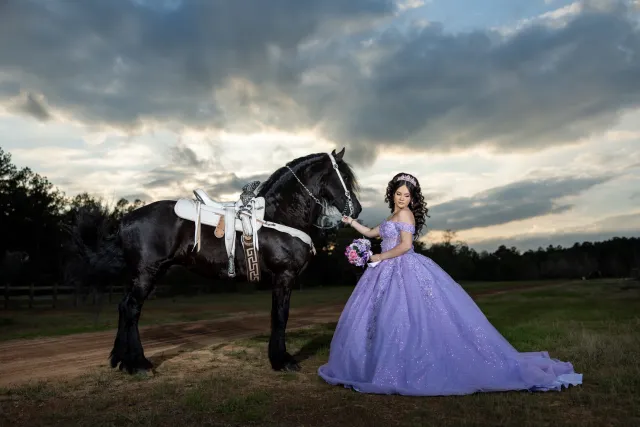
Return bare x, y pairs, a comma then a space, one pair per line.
280, 299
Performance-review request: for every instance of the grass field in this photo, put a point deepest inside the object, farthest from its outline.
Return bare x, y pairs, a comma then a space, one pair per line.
592, 324
29, 323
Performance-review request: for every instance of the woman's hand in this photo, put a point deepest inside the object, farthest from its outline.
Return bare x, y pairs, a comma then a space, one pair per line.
375, 258
347, 219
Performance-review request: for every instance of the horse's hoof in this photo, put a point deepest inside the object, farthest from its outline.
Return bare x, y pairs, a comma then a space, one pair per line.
145, 364
143, 372
142, 367
291, 367
286, 363
286, 367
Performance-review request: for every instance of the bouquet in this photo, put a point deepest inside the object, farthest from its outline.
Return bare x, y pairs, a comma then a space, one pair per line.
358, 252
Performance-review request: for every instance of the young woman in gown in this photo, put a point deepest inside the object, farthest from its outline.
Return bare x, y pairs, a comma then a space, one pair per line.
410, 329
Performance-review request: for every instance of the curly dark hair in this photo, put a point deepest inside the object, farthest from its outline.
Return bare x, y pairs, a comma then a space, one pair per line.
418, 206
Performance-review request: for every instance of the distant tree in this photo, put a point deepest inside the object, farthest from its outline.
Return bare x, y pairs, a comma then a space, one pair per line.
31, 209
448, 236
124, 207
33, 214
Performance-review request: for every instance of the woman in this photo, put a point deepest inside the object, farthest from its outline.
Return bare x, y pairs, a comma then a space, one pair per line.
409, 328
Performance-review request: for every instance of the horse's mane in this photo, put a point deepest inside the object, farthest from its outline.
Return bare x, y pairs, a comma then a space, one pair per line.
282, 182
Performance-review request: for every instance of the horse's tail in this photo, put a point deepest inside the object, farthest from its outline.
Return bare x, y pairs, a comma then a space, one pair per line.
94, 251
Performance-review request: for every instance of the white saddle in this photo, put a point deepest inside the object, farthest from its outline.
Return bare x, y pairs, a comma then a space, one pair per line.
238, 217
211, 211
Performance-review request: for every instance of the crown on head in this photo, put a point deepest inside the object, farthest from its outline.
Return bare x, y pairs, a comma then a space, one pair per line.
407, 178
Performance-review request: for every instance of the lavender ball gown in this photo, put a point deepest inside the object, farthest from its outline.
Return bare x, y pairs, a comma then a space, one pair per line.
410, 329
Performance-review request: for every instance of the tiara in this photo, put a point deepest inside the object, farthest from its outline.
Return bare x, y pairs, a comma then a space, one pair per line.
407, 178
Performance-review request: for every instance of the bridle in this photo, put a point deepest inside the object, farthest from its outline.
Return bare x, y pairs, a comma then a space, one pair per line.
347, 193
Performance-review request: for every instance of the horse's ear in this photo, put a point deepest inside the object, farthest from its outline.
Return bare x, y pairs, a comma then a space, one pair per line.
338, 156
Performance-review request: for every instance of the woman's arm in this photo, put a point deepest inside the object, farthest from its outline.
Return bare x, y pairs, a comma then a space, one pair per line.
406, 239
365, 231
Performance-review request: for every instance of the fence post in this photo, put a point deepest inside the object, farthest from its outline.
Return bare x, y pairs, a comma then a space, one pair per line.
31, 295
55, 294
6, 295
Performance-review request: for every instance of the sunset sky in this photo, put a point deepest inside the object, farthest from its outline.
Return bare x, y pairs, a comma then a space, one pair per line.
520, 118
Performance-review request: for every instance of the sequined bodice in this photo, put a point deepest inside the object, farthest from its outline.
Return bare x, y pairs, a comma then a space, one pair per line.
390, 233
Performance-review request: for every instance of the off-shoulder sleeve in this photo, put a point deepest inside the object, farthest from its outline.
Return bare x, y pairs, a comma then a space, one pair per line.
404, 226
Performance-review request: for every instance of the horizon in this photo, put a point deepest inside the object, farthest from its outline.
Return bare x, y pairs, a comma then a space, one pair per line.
522, 124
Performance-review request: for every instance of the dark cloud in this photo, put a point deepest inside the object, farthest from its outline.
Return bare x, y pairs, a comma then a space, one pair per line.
164, 177
184, 174
513, 202
216, 184
32, 106
183, 156
186, 156
121, 61
232, 183
542, 86
370, 194
292, 64
373, 215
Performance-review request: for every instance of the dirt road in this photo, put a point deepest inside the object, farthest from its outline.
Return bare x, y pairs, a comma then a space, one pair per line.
72, 355
47, 358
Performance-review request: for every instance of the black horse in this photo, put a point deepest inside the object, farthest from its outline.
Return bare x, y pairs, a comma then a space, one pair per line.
149, 240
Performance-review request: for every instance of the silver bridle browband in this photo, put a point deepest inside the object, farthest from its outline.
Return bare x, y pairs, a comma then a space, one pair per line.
347, 193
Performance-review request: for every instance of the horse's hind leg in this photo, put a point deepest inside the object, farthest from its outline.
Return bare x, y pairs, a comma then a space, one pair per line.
127, 348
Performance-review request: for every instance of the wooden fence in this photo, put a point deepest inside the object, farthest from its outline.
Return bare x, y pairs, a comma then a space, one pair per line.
57, 295
52, 295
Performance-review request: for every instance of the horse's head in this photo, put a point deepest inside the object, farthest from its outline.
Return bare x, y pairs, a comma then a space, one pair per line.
313, 190
338, 187
333, 188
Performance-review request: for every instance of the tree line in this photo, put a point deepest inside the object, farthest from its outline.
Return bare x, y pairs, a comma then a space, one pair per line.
614, 258
35, 216
34, 219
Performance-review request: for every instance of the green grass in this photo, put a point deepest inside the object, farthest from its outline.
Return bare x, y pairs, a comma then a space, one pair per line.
30, 323
38, 322
478, 286
592, 324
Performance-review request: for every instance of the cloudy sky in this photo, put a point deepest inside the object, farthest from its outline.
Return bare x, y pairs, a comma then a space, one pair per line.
521, 118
